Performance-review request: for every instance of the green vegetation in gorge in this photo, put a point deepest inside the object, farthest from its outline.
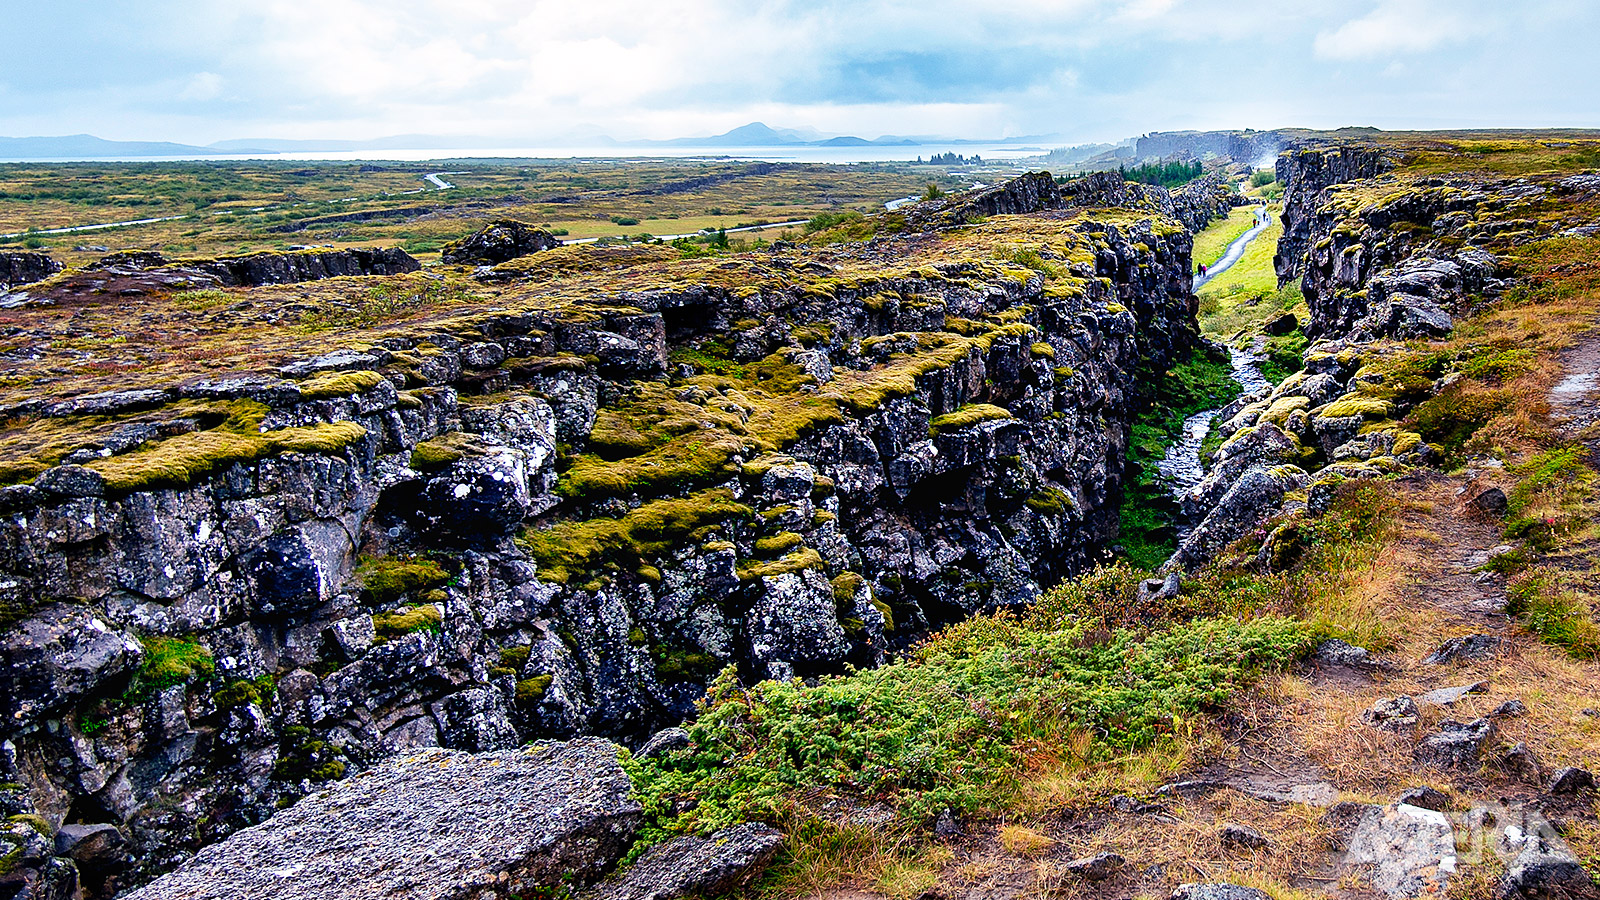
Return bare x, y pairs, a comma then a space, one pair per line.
1148, 511
948, 728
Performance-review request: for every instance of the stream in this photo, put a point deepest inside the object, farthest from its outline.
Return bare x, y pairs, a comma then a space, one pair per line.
1181, 468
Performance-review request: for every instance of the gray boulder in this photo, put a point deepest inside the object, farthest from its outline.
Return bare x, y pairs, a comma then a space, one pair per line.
697, 866
1218, 892
1543, 867
441, 824
1450, 696
25, 268
1426, 798
58, 656
1570, 780
1471, 646
1392, 714
477, 719
1334, 652
1406, 851
1098, 867
1455, 745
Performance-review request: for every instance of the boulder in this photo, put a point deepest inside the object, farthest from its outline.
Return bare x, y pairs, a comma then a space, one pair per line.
1096, 868
1570, 780
1426, 798
498, 242
441, 824
1450, 696
1492, 501
1240, 837
697, 866
1218, 892
1392, 714
1334, 652
477, 719
665, 742
1472, 646
1511, 709
25, 268
1406, 851
1281, 325
1455, 745
58, 656
1542, 866
1520, 762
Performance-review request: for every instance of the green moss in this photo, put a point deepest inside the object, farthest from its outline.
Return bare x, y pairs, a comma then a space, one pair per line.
648, 532
514, 657
402, 622
300, 758
385, 580
170, 661
443, 451
846, 586
967, 416
799, 561
532, 690
241, 692
676, 664
37, 823
180, 461
1357, 405
1042, 350
339, 384
777, 544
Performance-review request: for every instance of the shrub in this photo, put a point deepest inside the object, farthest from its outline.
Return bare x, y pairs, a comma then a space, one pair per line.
1557, 615
1455, 415
947, 728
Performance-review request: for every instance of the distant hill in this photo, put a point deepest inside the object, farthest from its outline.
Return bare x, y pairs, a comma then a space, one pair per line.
87, 146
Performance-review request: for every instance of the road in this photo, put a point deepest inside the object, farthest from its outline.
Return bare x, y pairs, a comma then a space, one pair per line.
1235, 249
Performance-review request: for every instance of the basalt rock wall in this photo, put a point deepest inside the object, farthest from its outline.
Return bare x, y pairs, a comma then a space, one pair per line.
188, 648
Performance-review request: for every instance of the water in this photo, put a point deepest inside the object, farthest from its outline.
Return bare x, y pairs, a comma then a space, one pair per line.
1181, 467
995, 152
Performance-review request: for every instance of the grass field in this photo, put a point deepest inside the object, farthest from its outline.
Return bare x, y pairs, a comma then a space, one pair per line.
1253, 272
1210, 244
233, 207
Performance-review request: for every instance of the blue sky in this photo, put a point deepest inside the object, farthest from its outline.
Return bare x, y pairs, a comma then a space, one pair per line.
203, 70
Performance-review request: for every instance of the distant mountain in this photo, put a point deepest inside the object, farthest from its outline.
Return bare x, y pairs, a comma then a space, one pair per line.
87, 146
756, 134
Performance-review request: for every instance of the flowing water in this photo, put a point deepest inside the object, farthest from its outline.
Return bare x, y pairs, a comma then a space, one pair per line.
1181, 468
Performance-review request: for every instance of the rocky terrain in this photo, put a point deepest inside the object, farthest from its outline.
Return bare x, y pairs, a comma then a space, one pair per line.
554, 504
817, 531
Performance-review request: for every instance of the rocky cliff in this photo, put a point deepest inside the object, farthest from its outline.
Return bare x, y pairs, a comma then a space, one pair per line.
1385, 250
143, 272
557, 507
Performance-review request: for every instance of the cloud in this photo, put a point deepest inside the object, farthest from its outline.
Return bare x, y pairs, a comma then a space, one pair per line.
199, 71
1394, 27
203, 86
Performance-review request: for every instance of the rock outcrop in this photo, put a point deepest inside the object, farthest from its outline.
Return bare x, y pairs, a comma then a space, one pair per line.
498, 242
436, 825
546, 519
17, 269
141, 273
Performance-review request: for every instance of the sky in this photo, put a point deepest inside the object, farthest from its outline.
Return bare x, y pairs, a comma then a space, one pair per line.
197, 71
